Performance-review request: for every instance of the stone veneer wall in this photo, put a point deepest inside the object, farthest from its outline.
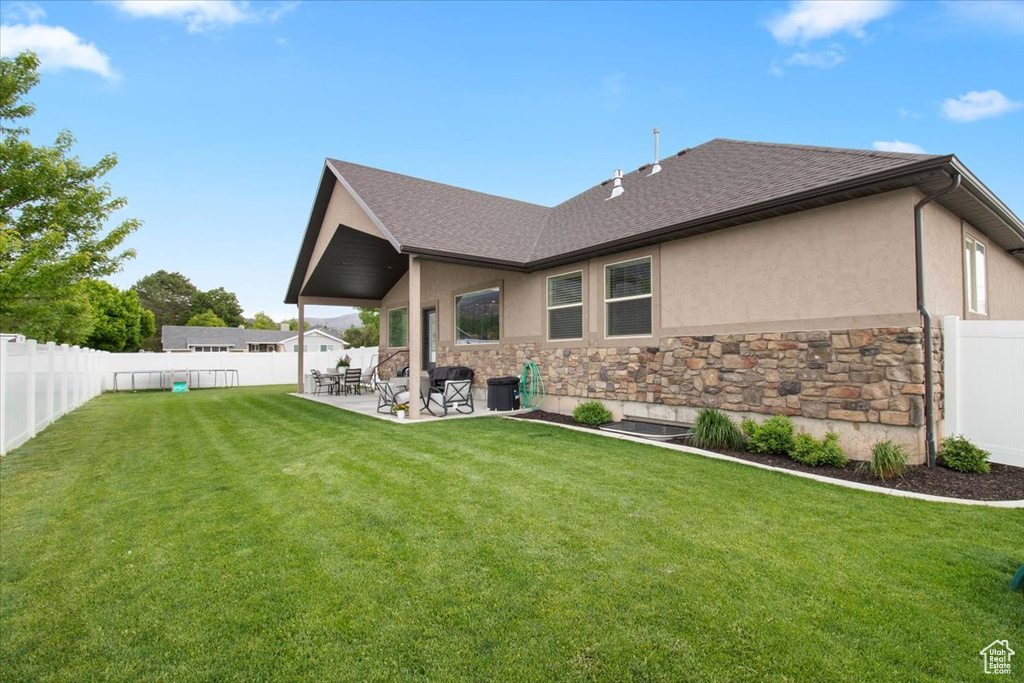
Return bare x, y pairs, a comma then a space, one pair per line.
860, 376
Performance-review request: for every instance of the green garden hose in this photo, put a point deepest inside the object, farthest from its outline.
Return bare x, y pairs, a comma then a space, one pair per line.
531, 386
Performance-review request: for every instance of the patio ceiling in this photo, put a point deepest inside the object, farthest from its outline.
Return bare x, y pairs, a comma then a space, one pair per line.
356, 265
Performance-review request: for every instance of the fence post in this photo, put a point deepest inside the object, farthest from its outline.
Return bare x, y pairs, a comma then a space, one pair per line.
951, 373
51, 370
30, 387
64, 379
3, 398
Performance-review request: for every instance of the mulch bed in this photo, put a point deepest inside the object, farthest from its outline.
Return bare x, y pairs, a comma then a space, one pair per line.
1002, 483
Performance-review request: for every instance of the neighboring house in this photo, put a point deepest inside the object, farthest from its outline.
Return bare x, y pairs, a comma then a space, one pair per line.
182, 338
758, 278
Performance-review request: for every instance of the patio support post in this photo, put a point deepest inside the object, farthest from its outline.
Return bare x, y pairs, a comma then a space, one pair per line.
414, 338
302, 354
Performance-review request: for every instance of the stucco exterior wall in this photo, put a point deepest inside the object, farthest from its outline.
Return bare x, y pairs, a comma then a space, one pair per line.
836, 267
812, 315
944, 234
843, 265
341, 210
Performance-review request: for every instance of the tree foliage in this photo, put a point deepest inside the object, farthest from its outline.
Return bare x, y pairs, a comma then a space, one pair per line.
262, 321
120, 323
359, 336
223, 303
53, 221
369, 333
206, 319
168, 295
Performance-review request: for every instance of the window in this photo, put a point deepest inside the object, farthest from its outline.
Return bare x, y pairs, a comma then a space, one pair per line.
974, 276
565, 306
627, 298
398, 328
327, 347
210, 349
295, 348
476, 317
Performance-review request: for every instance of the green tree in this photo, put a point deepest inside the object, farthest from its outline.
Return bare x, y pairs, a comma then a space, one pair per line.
370, 318
293, 324
168, 295
359, 336
222, 302
53, 221
262, 321
206, 319
120, 323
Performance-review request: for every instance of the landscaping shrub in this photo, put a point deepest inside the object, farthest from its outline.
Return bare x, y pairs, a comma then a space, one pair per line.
810, 451
957, 453
713, 429
748, 427
773, 436
888, 459
592, 413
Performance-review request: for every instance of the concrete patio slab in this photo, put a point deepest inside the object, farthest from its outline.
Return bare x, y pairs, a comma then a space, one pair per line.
366, 404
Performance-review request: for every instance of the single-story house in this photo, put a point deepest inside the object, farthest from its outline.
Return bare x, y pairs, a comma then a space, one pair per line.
758, 278
188, 339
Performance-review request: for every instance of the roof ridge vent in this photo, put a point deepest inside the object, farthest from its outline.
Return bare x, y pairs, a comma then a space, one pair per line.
617, 188
656, 168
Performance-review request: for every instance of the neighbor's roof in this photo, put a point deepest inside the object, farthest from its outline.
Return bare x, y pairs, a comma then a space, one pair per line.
175, 337
717, 184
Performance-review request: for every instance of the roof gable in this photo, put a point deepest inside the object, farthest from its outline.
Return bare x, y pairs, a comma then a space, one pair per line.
717, 184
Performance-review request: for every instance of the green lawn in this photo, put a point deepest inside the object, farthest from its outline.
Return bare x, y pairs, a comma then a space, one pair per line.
244, 534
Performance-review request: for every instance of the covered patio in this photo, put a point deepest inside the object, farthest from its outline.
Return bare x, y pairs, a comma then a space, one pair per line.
349, 258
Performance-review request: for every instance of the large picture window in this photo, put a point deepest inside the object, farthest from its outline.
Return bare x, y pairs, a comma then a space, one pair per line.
476, 317
974, 276
565, 306
398, 328
628, 300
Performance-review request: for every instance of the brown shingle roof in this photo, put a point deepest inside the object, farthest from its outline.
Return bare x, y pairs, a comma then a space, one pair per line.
424, 215
716, 177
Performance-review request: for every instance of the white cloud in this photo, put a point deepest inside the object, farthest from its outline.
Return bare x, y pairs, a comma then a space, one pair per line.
978, 105
23, 13
907, 114
613, 84
57, 48
776, 70
204, 15
897, 146
826, 59
809, 20
998, 15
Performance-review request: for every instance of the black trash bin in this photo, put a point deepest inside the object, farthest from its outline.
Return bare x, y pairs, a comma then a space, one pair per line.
503, 393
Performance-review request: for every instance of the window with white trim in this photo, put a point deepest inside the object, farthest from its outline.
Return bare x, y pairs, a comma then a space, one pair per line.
476, 317
327, 347
565, 306
628, 301
210, 349
398, 328
974, 276
295, 348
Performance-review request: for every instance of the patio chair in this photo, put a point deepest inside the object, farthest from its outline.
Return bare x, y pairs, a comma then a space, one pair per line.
321, 382
456, 395
385, 397
351, 380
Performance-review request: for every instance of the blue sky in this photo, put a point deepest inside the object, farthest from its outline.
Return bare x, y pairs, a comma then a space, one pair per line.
222, 113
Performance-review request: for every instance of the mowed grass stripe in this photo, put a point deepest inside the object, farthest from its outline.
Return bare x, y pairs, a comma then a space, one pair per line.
245, 534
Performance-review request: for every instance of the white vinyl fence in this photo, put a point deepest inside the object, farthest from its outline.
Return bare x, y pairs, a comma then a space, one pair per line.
41, 382
984, 385
254, 369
